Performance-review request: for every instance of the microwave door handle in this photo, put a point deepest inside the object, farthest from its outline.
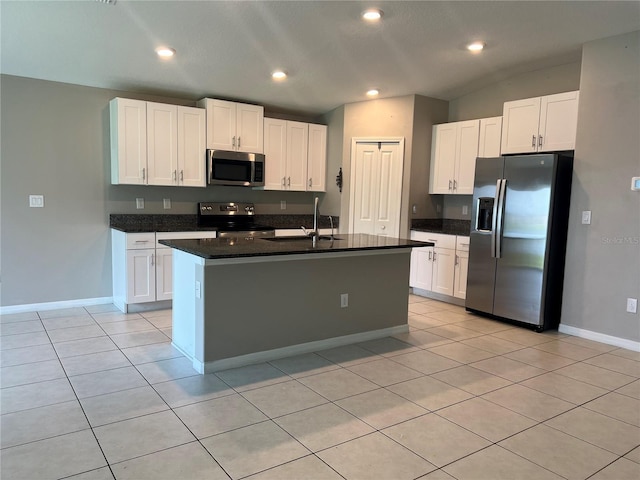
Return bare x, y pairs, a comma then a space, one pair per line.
210, 165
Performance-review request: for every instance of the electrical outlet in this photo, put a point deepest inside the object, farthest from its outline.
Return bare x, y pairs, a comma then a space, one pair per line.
36, 201
139, 203
414, 209
632, 305
344, 300
283, 204
465, 210
166, 203
586, 217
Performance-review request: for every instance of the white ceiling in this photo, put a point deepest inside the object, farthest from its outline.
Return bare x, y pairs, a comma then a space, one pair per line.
228, 49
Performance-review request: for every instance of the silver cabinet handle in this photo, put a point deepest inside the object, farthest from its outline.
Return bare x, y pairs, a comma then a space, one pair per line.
284, 181
533, 140
238, 142
233, 141
540, 141
142, 241
153, 259
430, 252
449, 184
175, 175
455, 184
310, 183
182, 175
144, 173
289, 182
456, 261
434, 256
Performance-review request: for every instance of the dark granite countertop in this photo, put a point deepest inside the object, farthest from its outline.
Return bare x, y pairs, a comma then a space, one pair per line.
143, 223
218, 248
445, 226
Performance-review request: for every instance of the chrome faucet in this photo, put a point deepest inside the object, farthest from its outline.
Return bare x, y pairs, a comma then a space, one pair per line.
315, 233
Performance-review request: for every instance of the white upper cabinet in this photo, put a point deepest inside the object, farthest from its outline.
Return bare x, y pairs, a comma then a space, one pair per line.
541, 124
191, 147
317, 161
162, 148
156, 144
490, 135
453, 157
234, 126
295, 155
128, 125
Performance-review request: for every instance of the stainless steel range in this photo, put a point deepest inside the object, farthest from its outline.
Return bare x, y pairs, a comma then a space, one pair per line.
232, 220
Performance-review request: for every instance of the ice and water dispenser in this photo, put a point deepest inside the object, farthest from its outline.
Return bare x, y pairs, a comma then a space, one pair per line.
484, 221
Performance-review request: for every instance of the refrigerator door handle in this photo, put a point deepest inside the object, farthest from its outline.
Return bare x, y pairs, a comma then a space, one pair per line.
494, 217
500, 220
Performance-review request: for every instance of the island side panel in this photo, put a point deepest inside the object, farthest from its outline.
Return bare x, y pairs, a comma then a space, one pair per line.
255, 307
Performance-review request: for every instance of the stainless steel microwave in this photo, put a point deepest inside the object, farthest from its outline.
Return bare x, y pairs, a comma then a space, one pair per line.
235, 168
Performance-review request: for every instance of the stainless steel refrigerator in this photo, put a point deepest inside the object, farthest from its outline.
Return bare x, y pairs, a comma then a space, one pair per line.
518, 238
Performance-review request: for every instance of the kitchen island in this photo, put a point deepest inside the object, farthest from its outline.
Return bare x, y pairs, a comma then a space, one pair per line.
238, 301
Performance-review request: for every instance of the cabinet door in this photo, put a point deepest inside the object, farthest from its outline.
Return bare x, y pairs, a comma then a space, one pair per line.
421, 268
443, 158
317, 158
443, 270
490, 135
520, 126
141, 275
162, 149
128, 125
461, 268
249, 128
191, 147
297, 151
466, 154
558, 122
221, 124
164, 274
275, 152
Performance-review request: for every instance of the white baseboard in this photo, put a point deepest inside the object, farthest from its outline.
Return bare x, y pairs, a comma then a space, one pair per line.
600, 337
34, 307
259, 357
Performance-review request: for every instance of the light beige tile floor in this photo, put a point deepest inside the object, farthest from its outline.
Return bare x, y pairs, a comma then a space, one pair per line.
92, 393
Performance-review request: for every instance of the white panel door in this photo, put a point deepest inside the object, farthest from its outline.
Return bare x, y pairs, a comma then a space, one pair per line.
490, 135
443, 270
558, 122
466, 154
191, 147
141, 276
164, 273
317, 158
297, 152
162, 149
249, 128
221, 125
128, 122
443, 158
520, 126
275, 151
376, 183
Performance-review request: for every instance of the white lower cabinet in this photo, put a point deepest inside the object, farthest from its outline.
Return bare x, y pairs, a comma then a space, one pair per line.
142, 269
439, 269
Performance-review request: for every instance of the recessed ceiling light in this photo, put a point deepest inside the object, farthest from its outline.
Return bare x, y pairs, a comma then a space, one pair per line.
373, 92
165, 52
372, 14
475, 47
279, 75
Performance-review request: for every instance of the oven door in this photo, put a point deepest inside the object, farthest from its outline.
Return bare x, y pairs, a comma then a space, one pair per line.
235, 168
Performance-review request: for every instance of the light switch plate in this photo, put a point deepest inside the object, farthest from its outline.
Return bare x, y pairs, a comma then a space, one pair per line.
586, 217
36, 201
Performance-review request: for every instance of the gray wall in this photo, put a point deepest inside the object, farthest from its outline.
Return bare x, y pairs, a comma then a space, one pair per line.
55, 142
603, 262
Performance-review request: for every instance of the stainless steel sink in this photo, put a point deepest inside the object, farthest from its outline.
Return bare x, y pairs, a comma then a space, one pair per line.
300, 238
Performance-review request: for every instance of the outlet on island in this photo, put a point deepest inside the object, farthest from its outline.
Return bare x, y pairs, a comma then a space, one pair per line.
344, 300
283, 204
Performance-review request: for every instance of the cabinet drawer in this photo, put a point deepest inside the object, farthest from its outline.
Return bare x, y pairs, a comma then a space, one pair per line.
439, 240
462, 244
136, 241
